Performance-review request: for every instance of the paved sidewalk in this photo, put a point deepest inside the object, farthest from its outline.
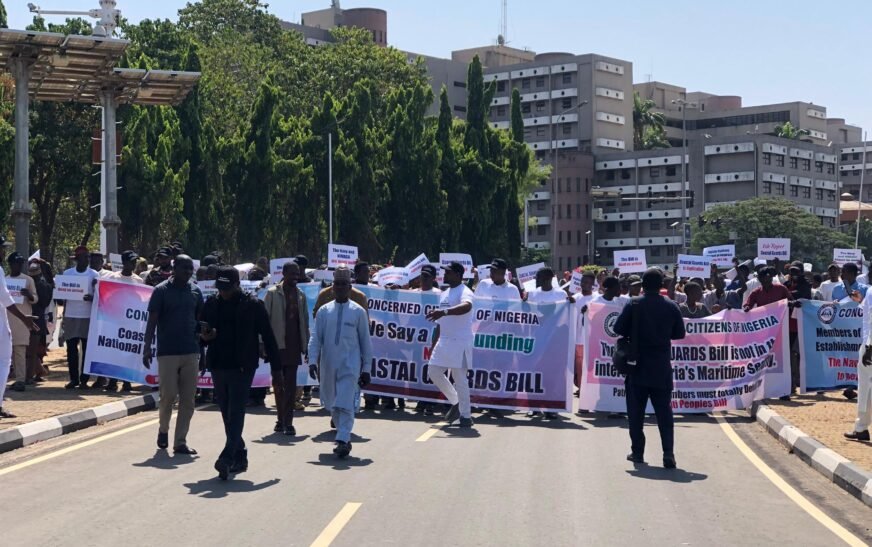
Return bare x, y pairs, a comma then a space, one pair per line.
51, 399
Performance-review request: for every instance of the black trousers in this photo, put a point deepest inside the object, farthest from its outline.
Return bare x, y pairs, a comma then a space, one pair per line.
73, 359
661, 400
231, 392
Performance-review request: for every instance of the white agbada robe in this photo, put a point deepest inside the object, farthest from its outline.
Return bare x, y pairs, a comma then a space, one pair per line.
340, 341
864, 373
5, 336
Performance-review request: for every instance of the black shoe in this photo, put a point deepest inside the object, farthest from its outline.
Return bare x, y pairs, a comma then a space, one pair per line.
18, 386
290, 431
184, 450
369, 406
71, 385
669, 461
278, 427
342, 449
223, 469
98, 383
83, 385
635, 458
452, 414
858, 436
163, 440
550, 415
111, 387
332, 425
240, 463
534, 414
4, 414
466, 422
849, 394
784, 398
390, 405
126, 387
401, 403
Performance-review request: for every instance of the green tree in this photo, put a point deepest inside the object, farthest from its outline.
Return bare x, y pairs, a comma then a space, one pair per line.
648, 125
789, 131
4, 23
447, 131
769, 217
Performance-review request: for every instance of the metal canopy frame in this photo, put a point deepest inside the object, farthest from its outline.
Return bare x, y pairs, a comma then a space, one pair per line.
72, 68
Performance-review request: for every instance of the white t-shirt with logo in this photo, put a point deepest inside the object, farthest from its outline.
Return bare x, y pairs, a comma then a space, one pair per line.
546, 297
581, 328
488, 289
456, 327
80, 309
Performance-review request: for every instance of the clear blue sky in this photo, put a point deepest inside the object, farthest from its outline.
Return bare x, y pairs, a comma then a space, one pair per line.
766, 51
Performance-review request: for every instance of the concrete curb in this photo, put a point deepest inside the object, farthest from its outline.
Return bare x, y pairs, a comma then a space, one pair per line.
41, 430
827, 462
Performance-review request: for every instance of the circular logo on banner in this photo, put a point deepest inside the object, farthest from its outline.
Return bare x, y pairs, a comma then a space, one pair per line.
609, 324
827, 313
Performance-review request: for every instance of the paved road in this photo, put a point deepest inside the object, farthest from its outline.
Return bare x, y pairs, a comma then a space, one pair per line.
512, 481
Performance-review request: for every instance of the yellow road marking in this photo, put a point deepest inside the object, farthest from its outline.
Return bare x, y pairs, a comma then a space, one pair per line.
73, 448
435, 428
336, 525
788, 490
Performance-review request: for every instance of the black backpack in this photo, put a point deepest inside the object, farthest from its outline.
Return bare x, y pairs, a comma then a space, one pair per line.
627, 349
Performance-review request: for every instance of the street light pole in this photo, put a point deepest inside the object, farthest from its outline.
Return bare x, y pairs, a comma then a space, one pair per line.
860, 194
554, 188
330, 182
684, 162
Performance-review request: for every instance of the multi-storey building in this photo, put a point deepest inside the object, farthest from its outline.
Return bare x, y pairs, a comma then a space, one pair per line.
854, 157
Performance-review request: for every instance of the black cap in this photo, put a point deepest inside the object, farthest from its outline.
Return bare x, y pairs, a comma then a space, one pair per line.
164, 251
209, 260
428, 269
129, 256
499, 264
301, 260
455, 267
634, 280
360, 265
228, 277
16, 257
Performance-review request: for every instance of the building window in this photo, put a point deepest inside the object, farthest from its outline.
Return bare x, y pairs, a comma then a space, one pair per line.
525, 108
779, 189
655, 225
831, 195
560, 237
501, 86
560, 263
794, 162
806, 165
779, 160
794, 191
587, 211
819, 194
767, 187
831, 169
578, 233
567, 104
625, 174
586, 184
460, 84
767, 158
610, 227
855, 156
525, 83
528, 132
610, 175
567, 78
578, 211
458, 108
668, 251
655, 172
540, 106
818, 167
568, 211
540, 81
540, 230
569, 237
578, 186
869, 194
670, 171
567, 129
501, 110
655, 251
540, 131
806, 192
626, 226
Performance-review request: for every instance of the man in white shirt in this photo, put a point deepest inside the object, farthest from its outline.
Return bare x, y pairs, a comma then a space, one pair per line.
428, 279
5, 333
496, 287
864, 375
581, 300
612, 293
126, 275
20, 331
452, 345
77, 320
833, 279
544, 293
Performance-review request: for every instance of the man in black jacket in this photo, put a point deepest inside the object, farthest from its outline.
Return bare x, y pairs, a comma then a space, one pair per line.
660, 322
235, 325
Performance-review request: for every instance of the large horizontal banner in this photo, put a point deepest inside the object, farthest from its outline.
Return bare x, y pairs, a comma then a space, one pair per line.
829, 342
117, 333
725, 362
521, 359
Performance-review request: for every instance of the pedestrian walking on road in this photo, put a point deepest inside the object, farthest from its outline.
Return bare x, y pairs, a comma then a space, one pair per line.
77, 320
339, 354
289, 317
864, 374
173, 309
452, 344
5, 332
658, 323
20, 331
235, 325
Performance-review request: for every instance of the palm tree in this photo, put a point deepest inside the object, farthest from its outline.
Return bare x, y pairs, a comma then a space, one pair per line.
646, 123
790, 131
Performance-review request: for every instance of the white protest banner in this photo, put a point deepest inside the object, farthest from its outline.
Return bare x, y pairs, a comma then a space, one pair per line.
694, 266
275, 269
466, 260
207, 288
483, 271
731, 274
341, 255
844, 256
773, 247
392, 276
722, 255
631, 261
807, 266
250, 287
115, 261
14, 287
575, 282
759, 262
414, 267
243, 269
527, 275
196, 264
71, 287
323, 275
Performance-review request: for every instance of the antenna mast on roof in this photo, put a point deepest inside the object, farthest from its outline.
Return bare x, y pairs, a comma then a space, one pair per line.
503, 37
107, 14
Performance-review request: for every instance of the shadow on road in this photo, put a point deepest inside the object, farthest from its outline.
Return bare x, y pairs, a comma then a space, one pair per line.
330, 437
163, 460
281, 439
644, 471
216, 488
330, 460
